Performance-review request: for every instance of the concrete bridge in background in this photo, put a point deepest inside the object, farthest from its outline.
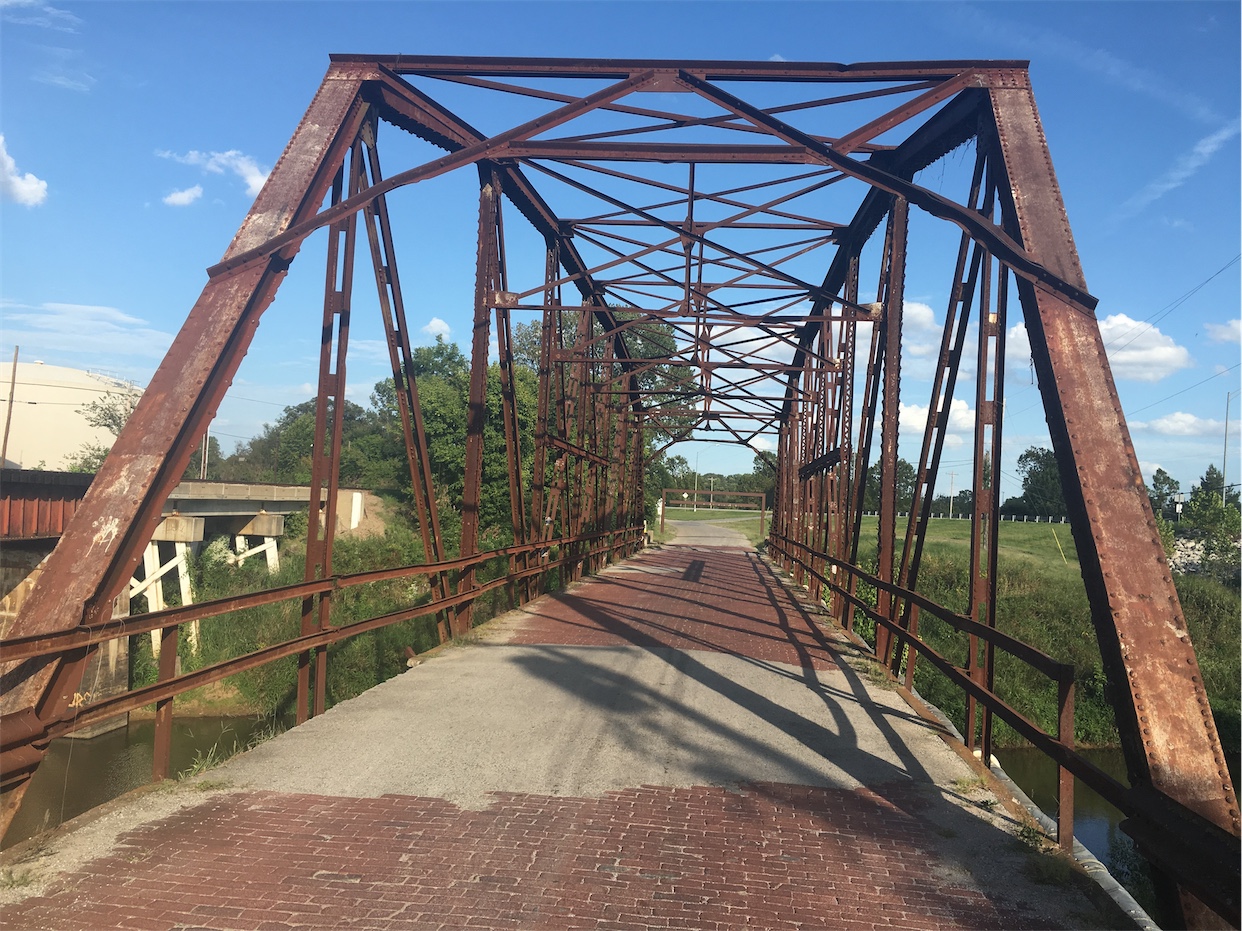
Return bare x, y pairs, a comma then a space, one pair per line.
36, 506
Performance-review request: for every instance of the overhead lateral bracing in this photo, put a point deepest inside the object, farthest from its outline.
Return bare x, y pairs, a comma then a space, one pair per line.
723, 248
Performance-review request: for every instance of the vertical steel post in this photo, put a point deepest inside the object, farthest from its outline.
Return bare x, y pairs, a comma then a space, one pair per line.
989, 423
952, 343
476, 413
847, 352
326, 446
540, 528
894, 285
1065, 779
982, 583
405, 384
161, 761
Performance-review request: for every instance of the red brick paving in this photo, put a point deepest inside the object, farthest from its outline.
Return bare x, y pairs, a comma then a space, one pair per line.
684, 598
770, 856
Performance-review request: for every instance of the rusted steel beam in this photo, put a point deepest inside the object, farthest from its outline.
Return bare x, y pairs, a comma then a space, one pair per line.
955, 123
486, 285
407, 107
941, 92
543, 416
577, 451
1163, 715
892, 298
100, 549
326, 446
952, 343
997, 240
405, 384
666, 152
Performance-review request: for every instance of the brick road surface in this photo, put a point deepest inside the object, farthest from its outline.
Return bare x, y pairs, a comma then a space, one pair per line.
906, 850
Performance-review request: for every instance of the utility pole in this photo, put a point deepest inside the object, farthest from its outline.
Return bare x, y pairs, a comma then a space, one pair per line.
952, 477
8, 418
1224, 460
202, 460
696, 481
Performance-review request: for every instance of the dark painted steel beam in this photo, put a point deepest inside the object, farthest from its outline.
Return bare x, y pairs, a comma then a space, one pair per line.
618, 69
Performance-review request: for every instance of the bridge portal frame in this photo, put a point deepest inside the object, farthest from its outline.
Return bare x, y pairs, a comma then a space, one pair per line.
594, 408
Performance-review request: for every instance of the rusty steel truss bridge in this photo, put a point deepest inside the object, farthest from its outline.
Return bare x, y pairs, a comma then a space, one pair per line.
710, 246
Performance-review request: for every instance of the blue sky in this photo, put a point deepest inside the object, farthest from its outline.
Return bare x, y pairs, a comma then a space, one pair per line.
135, 136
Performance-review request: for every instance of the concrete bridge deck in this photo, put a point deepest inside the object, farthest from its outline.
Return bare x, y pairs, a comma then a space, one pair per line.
675, 744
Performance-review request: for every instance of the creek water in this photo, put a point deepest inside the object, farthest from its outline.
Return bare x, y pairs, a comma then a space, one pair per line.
1095, 820
77, 775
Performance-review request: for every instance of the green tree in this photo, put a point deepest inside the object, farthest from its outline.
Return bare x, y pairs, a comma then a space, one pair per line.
904, 480
1164, 489
110, 411
214, 459
1209, 518
1042, 495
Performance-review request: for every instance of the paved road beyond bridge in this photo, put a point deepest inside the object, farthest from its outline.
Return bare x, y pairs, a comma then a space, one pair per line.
674, 744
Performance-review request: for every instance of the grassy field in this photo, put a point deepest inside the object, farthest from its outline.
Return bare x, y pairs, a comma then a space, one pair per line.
1041, 600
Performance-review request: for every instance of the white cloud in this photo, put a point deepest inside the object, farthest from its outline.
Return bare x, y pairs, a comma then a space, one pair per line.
920, 333
1017, 348
917, 315
1180, 423
218, 163
1229, 332
1051, 44
777, 57
36, 13
766, 443
184, 198
1136, 351
85, 336
961, 417
1182, 171
24, 189
1140, 352
436, 327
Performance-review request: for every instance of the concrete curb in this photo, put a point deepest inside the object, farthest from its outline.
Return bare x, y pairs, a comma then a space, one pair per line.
1084, 857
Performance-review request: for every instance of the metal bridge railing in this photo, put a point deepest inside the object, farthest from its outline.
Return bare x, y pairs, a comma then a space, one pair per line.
1198, 854
24, 735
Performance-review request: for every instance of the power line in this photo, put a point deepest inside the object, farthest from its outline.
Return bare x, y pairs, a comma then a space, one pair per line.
1159, 315
1184, 390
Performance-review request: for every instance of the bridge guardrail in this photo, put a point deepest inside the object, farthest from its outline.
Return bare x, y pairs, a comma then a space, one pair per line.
1199, 854
23, 731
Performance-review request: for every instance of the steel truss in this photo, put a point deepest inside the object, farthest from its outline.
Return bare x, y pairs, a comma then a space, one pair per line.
708, 268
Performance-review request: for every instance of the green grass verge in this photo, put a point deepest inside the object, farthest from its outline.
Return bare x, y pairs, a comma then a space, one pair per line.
1042, 601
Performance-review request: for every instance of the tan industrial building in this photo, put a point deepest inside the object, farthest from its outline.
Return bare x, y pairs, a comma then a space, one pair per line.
42, 410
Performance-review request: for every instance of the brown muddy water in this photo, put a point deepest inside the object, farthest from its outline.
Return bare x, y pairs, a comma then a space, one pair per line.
77, 775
